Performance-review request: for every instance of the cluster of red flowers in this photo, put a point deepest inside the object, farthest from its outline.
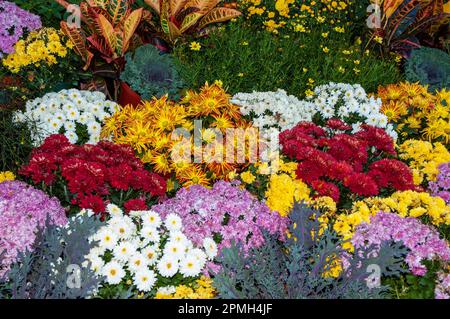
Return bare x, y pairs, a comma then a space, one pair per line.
91, 175
333, 161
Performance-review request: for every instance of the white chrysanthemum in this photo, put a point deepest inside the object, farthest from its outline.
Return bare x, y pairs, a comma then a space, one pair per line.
54, 110
150, 234
179, 237
97, 264
190, 266
175, 249
107, 239
113, 272
167, 266
151, 219
114, 210
123, 251
167, 290
199, 255
173, 222
137, 262
144, 280
71, 136
210, 247
151, 254
123, 229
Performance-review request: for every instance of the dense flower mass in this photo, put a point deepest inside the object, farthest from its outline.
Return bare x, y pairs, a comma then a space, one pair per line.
46, 46
424, 159
162, 132
300, 16
149, 251
416, 112
76, 114
23, 210
334, 164
14, 22
441, 187
91, 175
351, 104
274, 109
422, 240
225, 212
419, 205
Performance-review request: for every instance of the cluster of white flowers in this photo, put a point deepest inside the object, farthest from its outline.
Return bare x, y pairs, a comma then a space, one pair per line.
71, 112
143, 246
347, 102
351, 104
274, 109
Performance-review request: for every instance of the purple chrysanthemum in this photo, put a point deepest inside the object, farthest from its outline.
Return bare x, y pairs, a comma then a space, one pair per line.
441, 187
14, 21
22, 210
422, 240
225, 211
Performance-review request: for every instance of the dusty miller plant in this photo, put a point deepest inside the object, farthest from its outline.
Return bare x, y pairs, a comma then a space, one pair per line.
46, 273
295, 269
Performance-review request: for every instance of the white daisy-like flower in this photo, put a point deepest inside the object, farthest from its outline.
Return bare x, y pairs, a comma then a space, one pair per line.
175, 249
123, 251
173, 222
150, 234
200, 255
71, 136
114, 210
97, 264
151, 254
93, 127
210, 247
167, 290
137, 262
72, 114
190, 266
144, 280
179, 237
151, 219
123, 230
113, 272
107, 239
167, 266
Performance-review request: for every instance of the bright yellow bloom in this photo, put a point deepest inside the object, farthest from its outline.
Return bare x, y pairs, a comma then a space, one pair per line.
7, 176
195, 46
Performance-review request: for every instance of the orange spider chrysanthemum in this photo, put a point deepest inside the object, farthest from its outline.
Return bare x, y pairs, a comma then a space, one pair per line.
193, 176
394, 110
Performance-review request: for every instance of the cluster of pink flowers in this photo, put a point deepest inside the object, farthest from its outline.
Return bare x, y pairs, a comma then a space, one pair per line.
23, 209
441, 187
225, 212
423, 241
14, 21
442, 289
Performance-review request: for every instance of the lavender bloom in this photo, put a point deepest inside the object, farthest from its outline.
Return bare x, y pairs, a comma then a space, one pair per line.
22, 210
441, 187
442, 289
226, 212
422, 240
14, 21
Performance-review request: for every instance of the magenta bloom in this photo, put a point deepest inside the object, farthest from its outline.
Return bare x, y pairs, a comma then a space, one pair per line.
441, 187
14, 22
22, 210
422, 240
225, 213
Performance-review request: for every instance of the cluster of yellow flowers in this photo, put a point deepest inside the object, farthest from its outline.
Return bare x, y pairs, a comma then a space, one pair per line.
190, 138
283, 188
7, 176
300, 16
201, 289
417, 112
424, 159
43, 46
405, 204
